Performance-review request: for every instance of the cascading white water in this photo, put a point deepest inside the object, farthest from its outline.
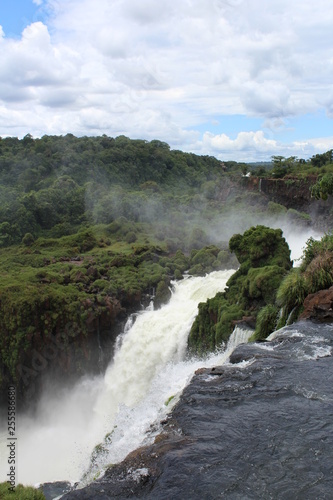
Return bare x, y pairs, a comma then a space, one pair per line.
147, 372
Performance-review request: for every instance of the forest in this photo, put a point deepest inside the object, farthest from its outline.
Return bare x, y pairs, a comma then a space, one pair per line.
55, 185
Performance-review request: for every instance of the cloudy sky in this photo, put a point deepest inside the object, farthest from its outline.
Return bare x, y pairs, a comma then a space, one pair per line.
237, 79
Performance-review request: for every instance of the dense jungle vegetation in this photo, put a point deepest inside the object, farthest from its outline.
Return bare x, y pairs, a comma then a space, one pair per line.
265, 290
54, 185
90, 225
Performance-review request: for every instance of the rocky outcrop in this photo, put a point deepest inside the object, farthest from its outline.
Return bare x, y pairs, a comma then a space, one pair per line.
251, 430
290, 192
264, 258
77, 342
293, 193
71, 349
319, 306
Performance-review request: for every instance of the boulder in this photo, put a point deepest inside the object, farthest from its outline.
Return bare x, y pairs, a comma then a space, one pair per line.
319, 306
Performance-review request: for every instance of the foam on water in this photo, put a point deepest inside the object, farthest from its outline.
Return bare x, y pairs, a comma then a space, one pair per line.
140, 386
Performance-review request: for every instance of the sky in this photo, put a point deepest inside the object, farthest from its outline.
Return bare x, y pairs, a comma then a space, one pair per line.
237, 79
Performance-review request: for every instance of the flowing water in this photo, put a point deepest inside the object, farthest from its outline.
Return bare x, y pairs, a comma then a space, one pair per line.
257, 427
140, 386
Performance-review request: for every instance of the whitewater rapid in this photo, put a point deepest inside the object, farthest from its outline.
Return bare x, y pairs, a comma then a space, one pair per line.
140, 386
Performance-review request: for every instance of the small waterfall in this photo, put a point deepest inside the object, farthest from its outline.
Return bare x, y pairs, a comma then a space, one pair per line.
100, 350
238, 336
260, 182
290, 318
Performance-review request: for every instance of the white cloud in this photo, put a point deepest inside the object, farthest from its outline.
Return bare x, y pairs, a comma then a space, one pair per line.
160, 69
254, 146
245, 141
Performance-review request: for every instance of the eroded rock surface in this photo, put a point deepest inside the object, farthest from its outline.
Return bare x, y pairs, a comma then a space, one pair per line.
259, 427
319, 306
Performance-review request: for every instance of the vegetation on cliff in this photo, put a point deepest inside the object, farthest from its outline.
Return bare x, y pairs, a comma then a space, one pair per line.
56, 295
265, 290
264, 259
314, 274
292, 166
56, 184
323, 187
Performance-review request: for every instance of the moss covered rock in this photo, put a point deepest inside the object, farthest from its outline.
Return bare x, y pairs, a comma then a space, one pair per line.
261, 246
162, 295
264, 258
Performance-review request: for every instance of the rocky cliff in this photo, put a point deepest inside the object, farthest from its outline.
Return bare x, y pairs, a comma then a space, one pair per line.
294, 193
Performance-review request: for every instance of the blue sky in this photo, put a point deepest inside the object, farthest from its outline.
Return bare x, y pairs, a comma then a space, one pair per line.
315, 124
238, 79
15, 15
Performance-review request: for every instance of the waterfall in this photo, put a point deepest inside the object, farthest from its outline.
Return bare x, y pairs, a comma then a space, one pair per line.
238, 336
100, 350
144, 380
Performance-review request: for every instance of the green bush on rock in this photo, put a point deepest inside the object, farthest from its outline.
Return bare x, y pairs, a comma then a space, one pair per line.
266, 322
314, 274
261, 283
264, 258
261, 246
291, 294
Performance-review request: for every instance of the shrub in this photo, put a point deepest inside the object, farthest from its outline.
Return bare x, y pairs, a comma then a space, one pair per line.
197, 239
205, 256
263, 282
113, 227
261, 246
225, 325
162, 295
316, 247
178, 275
130, 237
298, 217
197, 270
28, 239
291, 294
266, 322
275, 208
319, 273
20, 493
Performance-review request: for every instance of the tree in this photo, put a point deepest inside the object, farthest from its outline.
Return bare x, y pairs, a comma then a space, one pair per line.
282, 165
323, 187
319, 160
28, 239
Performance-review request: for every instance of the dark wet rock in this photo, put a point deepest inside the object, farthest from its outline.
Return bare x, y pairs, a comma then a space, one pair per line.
245, 322
319, 306
54, 490
256, 430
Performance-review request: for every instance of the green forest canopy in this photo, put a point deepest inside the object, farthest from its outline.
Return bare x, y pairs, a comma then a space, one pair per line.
55, 184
